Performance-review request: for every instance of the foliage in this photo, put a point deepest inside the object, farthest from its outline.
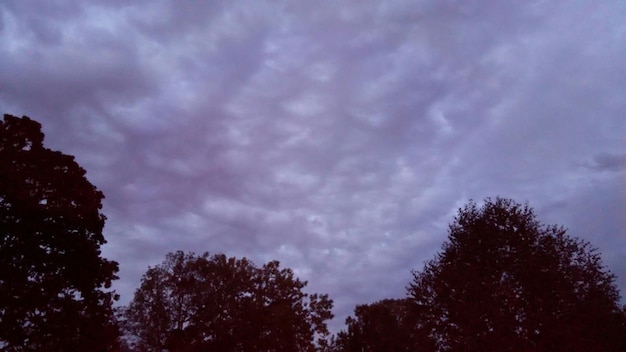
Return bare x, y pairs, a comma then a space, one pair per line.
506, 282
202, 303
52, 277
382, 326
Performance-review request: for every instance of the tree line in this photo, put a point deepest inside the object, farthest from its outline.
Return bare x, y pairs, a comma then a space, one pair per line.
502, 281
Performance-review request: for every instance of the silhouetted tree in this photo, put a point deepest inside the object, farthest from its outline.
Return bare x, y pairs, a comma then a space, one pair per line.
52, 277
386, 325
202, 303
505, 282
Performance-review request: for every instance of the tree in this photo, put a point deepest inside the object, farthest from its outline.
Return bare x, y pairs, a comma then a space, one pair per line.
386, 325
505, 282
53, 280
202, 303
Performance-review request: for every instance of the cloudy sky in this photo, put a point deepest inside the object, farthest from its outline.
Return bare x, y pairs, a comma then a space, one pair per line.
339, 137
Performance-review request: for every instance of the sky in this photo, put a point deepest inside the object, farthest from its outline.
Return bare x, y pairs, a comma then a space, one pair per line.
338, 137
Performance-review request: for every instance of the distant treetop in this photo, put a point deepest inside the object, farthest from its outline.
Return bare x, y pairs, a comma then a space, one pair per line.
505, 282
215, 303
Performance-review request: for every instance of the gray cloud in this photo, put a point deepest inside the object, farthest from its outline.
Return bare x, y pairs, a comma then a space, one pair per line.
609, 162
338, 138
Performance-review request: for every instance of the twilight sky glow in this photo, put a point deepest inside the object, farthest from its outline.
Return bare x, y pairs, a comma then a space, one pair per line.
339, 137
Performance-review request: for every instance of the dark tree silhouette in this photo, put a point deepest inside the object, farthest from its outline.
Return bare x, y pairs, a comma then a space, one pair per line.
386, 325
505, 282
202, 303
52, 277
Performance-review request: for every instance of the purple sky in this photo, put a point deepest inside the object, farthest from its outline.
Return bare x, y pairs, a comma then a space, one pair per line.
339, 137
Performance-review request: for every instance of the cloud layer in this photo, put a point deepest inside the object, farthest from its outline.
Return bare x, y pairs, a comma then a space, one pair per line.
337, 137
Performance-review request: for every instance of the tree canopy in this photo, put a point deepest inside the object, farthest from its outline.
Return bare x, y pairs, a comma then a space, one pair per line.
382, 326
215, 303
505, 282
53, 279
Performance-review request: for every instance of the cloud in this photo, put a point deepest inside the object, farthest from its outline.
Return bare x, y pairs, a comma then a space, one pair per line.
609, 162
338, 138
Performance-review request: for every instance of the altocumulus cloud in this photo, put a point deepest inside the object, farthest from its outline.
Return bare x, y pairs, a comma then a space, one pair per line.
337, 137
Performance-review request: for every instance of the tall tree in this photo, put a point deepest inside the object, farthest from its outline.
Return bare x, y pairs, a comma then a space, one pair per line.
203, 303
505, 282
53, 280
